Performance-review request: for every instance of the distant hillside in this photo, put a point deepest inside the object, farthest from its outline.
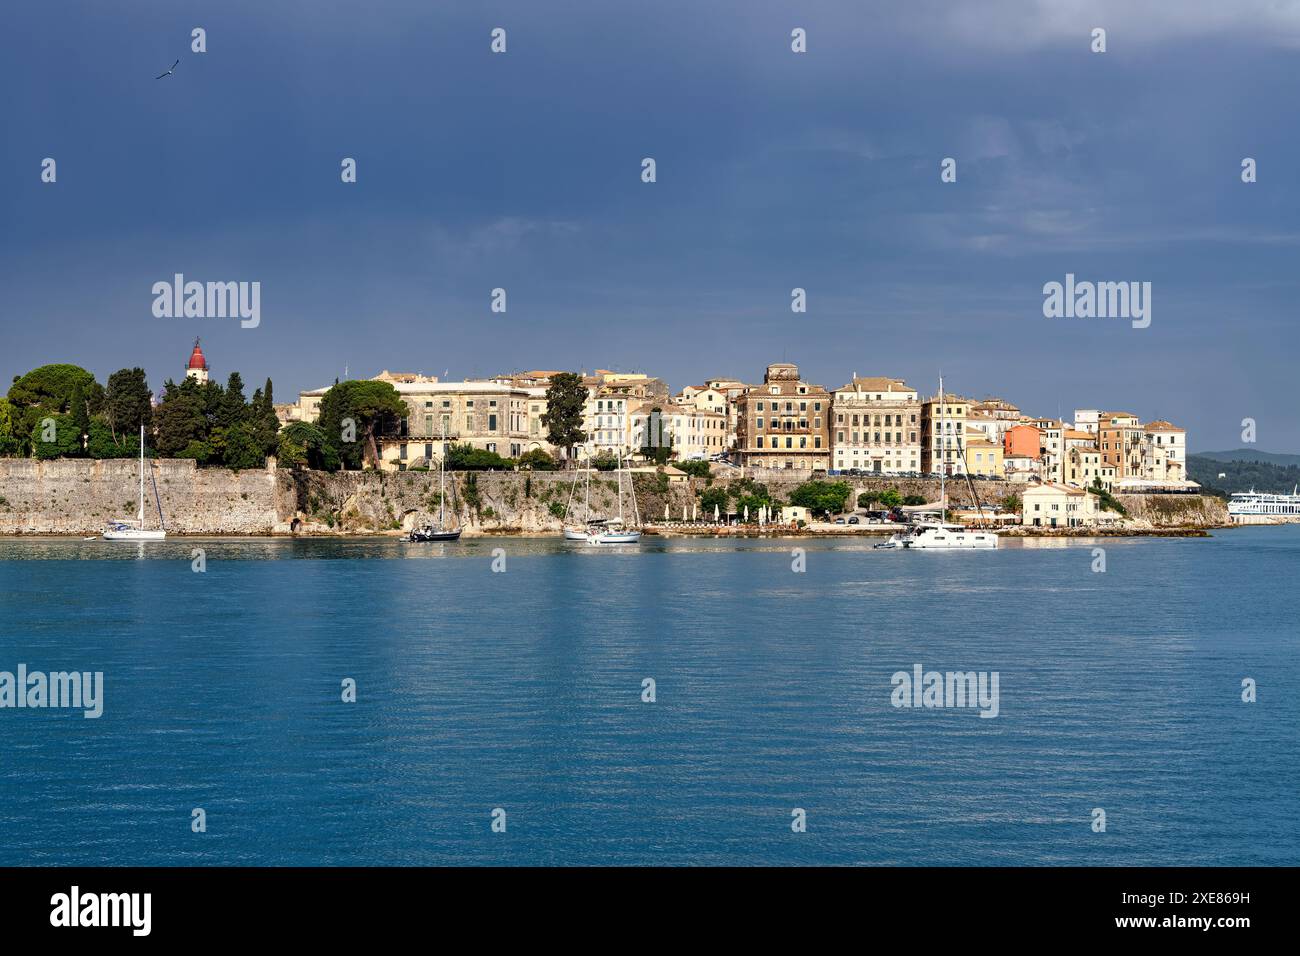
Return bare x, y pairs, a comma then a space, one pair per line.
1243, 475
1250, 454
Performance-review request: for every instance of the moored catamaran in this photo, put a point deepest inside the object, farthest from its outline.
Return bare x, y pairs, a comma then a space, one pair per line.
935, 533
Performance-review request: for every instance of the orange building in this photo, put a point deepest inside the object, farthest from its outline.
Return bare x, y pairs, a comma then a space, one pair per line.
1022, 440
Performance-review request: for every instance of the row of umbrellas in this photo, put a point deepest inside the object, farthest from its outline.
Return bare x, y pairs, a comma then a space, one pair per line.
693, 514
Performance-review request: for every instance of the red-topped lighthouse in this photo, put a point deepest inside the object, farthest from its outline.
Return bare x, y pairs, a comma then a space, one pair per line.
198, 366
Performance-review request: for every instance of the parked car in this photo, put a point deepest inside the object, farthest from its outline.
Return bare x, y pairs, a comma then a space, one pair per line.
839, 521
854, 520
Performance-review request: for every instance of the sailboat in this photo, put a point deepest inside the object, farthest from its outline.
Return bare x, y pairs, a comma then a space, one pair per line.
573, 531
440, 531
619, 532
935, 534
125, 529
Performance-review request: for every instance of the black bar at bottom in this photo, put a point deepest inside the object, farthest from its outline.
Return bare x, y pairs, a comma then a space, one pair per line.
215, 905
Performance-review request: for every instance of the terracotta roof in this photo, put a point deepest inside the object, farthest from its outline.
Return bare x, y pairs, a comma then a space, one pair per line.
1163, 426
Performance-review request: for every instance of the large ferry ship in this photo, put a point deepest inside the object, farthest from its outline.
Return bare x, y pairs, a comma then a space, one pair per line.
1256, 505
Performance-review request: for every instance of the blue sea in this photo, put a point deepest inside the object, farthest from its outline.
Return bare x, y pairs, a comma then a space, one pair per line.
521, 690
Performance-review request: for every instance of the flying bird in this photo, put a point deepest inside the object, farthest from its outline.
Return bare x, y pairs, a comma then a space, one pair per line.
169, 72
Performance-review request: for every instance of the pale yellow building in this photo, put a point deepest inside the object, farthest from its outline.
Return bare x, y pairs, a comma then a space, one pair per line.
983, 457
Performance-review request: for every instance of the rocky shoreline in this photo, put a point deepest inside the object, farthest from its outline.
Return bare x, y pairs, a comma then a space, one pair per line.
76, 497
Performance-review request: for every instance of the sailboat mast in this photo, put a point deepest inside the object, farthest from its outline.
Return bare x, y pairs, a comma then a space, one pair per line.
622, 426
442, 480
141, 517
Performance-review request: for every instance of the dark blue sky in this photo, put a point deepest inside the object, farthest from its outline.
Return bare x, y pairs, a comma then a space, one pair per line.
775, 170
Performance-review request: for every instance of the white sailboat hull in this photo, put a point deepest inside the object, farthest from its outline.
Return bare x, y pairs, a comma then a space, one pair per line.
134, 534
575, 535
615, 537
950, 538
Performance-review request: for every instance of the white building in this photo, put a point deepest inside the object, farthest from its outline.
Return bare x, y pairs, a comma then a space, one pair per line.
876, 426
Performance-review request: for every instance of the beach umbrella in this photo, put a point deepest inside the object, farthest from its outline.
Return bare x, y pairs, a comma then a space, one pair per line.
683, 512
695, 512
665, 511
715, 514
746, 513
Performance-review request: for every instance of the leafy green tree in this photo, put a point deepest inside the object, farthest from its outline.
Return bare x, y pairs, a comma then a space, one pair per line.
912, 500
695, 468
371, 407
710, 498
48, 391
537, 460
263, 420
9, 442
200, 451
66, 441
750, 494
469, 458
128, 403
103, 444
890, 498
301, 445
231, 409
1012, 503
242, 448
80, 416
566, 397
605, 461
867, 499
821, 497
180, 418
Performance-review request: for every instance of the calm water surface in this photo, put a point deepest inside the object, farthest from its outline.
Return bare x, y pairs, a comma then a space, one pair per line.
522, 690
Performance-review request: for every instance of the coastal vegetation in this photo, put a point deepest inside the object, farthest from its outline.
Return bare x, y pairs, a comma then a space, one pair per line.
823, 497
1274, 477
62, 411
215, 425
352, 414
1106, 500
697, 468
